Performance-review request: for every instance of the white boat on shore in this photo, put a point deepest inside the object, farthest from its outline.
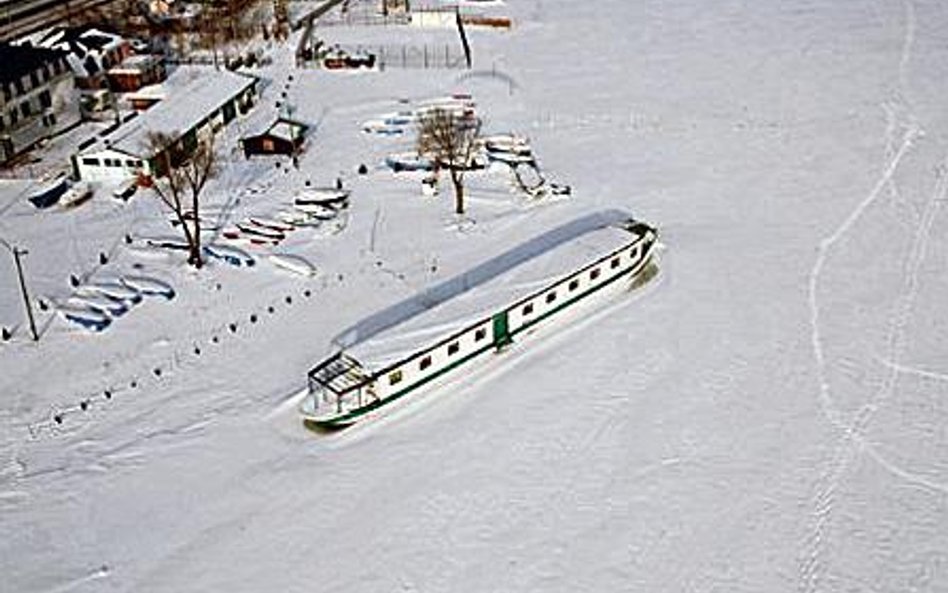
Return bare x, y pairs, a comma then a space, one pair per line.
473, 315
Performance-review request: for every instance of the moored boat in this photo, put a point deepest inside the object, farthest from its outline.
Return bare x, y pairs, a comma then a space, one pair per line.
486, 315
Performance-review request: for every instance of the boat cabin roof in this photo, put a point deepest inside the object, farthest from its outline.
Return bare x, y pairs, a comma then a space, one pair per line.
460, 302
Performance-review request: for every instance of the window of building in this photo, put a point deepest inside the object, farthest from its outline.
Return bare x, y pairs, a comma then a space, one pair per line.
34, 79
45, 100
573, 285
46, 73
18, 83
593, 273
527, 309
480, 334
550, 297
7, 92
424, 363
394, 377
614, 263
90, 161
25, 109
57, 67
453, 348
14, 116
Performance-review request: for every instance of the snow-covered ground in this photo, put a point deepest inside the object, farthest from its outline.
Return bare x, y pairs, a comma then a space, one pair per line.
769, 414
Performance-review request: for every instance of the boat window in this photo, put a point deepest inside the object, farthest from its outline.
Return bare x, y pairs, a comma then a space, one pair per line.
574, 285
528, 309
424, 363
634, 253
92, 162
453, 348
394, 377
480, 334
594, 273
551, 297
614, 263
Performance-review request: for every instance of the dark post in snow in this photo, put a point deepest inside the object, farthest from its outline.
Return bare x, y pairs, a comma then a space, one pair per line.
26, 297
461, 32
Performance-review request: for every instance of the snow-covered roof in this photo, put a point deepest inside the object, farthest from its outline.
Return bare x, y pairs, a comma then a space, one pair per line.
135, 64
287, 130
485, 289
193, 93
85, 46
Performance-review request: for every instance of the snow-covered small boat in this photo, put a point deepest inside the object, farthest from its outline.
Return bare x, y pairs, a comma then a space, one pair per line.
50, 192
407, 162
293, 263
317, 211
323, 196
77, 194
477, 313
299, 218
84, 316
237, 237
230, 255
172, 243
380, 128
112, 290
101, 303
510, 143
273, 225
259, 231
149, 286
510, 158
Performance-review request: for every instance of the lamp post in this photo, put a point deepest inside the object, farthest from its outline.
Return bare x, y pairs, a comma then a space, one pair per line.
17, 252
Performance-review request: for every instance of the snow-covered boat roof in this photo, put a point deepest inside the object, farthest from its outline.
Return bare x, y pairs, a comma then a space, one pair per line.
461, 301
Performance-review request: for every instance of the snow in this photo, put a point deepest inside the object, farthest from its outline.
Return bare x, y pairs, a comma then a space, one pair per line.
768, 415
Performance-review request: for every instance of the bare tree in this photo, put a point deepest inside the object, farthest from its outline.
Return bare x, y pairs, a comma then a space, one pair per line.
449, 140
180, 181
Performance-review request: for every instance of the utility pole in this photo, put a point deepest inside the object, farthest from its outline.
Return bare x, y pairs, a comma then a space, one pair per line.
463, 34
17, 252
26, 297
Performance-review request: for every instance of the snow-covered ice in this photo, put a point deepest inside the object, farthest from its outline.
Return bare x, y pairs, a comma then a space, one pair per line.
770, 415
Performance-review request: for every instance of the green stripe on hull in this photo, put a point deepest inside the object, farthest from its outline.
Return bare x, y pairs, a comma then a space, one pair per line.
352, 416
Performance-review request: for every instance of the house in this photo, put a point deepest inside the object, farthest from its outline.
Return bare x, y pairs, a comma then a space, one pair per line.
37, 97
284, 137
90, 51
101, 62
200, 101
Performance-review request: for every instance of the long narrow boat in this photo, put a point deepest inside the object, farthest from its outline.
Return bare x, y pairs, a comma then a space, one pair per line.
399, 358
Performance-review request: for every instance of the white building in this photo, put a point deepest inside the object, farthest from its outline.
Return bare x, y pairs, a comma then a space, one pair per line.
38, 98
199, 101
